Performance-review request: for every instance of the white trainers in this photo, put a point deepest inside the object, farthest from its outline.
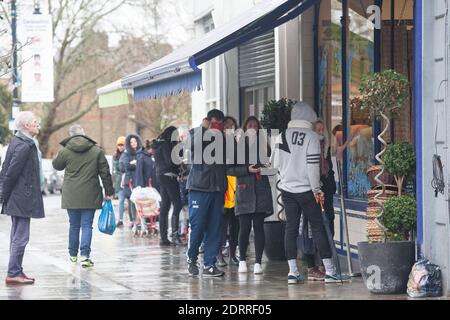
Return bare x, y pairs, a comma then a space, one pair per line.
242, 267
257, 269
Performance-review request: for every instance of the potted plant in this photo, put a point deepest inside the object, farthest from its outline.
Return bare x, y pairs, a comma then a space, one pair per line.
386, 266
383, 94
400, 161
275, 117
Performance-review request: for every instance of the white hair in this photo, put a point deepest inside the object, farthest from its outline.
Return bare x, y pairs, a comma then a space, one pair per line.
76, 130
23, 118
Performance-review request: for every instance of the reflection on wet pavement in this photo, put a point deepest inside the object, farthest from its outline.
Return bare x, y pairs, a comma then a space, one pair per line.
138, 268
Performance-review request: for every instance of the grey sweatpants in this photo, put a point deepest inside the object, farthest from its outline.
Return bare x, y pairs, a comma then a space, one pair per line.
20, 234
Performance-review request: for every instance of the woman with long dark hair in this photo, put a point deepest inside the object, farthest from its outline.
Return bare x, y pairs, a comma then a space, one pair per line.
253, 193
167, 176
133, 144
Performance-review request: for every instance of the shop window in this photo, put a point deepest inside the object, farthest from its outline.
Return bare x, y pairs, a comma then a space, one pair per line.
255, 98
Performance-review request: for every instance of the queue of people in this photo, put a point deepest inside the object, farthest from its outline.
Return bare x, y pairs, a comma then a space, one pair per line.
225, 198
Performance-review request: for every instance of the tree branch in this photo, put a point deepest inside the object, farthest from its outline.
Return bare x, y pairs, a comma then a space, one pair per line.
76, 117
81, 86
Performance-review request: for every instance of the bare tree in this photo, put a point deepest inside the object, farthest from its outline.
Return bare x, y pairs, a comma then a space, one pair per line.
74, 25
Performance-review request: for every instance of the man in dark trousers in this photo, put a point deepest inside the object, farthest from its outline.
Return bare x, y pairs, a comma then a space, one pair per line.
83, 162
21, 192
206, 183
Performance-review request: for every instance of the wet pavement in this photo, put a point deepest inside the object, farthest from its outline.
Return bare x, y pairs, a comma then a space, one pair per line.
138, 268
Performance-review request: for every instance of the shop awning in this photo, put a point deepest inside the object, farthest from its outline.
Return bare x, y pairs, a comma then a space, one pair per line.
179, 70
112, 95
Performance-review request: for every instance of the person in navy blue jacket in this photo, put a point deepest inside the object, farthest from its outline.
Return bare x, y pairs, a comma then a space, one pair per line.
146, 167
20, 192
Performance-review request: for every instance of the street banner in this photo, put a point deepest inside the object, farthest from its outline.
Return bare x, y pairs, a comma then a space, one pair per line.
37, 57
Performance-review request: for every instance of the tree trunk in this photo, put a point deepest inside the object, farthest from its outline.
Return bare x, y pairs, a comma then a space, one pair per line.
46, 130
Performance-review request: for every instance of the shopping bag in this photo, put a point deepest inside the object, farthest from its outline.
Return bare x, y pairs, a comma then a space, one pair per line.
107, 221
424, 280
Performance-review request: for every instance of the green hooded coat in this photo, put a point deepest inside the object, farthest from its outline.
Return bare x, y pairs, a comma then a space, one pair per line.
83, 162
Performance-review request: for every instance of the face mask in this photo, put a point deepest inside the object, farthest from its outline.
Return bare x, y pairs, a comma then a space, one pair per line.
322, 138
217, 125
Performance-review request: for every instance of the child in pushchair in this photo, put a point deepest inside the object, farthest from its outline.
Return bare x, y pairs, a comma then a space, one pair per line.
147, 208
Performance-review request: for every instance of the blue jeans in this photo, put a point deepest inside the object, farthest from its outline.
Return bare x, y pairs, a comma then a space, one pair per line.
131, 208
205, 218
80, 218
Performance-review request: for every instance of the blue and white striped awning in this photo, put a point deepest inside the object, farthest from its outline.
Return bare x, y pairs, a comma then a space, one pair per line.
178, 71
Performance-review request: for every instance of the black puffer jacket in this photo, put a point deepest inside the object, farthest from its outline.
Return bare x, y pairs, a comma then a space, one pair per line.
19, 180
202, 176
163, 157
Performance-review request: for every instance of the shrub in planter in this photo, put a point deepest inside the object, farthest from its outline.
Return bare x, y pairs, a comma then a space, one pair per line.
399, 217
277, 114
400, 161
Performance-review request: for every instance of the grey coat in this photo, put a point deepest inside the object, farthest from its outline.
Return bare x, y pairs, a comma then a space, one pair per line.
251, 195
20, 188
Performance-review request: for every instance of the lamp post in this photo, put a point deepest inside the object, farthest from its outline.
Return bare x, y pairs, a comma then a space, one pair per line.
15, 80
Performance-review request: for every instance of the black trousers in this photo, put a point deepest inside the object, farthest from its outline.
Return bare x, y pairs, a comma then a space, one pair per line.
170, 195
231, 227
297, 204
245, 226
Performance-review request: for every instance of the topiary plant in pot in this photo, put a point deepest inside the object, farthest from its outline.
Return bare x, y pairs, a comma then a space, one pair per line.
275, 117
400, 161
384, 264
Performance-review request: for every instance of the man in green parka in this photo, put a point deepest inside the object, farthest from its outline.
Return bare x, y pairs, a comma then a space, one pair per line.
83, 162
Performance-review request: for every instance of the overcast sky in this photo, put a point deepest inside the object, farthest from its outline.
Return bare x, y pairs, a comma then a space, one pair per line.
175, 20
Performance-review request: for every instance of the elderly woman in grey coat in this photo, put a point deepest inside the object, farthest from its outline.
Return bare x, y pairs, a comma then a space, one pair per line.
21, 197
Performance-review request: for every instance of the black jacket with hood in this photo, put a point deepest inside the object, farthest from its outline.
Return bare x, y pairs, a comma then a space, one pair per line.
163, 157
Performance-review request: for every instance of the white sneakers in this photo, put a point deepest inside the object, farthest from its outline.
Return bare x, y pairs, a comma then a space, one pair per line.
257, 269
243, 268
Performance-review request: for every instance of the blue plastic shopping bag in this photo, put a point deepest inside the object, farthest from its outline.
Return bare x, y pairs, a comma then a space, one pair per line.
107, 221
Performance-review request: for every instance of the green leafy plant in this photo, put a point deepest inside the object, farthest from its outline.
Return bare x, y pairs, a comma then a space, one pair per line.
383, 93
399, 217
399, 160
277, 114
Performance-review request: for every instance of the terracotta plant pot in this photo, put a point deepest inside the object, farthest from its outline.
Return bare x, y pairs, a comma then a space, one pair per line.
387, 178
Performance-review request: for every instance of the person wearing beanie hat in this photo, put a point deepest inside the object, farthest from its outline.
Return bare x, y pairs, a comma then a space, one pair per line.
297, 158
117, 178
206, 183
121, 141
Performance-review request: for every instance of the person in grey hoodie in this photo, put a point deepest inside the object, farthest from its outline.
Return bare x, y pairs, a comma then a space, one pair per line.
297, 157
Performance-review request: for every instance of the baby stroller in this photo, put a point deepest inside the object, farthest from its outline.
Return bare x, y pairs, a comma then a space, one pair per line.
147, 202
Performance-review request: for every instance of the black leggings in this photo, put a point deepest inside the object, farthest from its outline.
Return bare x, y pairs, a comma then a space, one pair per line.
231, 221
170, 194
245, 226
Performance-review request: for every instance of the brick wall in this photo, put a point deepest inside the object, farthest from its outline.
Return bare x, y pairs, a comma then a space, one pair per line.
403, 54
